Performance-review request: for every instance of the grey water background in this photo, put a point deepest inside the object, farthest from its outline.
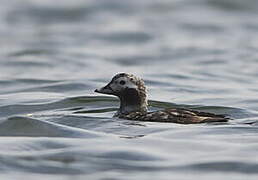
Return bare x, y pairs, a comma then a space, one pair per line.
198, 54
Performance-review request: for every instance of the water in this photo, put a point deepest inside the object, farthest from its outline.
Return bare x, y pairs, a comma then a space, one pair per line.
199, 54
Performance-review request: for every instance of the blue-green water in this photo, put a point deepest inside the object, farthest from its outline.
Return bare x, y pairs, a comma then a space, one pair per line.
200, 54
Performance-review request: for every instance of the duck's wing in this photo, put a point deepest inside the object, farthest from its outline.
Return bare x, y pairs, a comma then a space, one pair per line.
182, 116
187, 116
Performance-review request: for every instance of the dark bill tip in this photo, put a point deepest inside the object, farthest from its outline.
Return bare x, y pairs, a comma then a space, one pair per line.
105, 90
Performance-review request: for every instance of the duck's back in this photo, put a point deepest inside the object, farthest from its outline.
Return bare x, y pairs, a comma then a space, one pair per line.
182, 116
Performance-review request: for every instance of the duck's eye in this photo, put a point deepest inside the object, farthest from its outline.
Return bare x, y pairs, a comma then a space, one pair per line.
122, 82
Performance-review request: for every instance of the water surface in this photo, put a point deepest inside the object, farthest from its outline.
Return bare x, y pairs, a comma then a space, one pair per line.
200, 55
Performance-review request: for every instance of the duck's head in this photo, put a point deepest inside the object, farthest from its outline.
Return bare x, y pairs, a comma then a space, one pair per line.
130, 90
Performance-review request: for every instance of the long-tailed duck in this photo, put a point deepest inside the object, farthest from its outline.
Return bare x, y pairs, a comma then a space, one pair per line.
131, 91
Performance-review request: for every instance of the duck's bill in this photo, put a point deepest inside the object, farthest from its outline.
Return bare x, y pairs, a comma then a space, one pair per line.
105, 90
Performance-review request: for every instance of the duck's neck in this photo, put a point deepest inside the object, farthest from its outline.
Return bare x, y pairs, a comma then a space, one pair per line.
131, 101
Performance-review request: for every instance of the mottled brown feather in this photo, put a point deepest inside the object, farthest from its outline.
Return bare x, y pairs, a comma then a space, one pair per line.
182, 116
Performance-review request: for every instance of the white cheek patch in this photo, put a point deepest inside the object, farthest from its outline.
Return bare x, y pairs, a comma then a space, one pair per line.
130, 85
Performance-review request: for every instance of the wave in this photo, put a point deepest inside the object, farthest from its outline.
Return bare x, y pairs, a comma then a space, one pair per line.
23, 126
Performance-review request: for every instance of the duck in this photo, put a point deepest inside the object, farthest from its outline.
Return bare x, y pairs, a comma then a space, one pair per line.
132, 93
